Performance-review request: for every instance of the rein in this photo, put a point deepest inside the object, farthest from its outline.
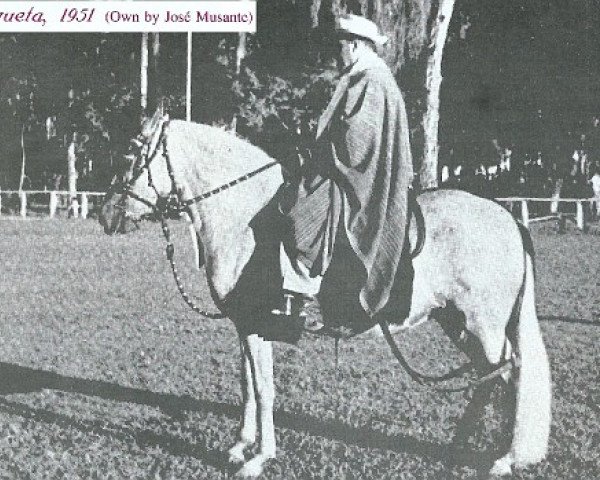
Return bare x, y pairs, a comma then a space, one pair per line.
183, 205
228, 185
163, 209
170, 252
425, 380
503, 367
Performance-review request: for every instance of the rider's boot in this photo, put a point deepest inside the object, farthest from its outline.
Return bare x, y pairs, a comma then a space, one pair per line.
302, 309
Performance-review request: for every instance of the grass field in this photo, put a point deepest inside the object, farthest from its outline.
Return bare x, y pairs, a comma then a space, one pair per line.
105, 373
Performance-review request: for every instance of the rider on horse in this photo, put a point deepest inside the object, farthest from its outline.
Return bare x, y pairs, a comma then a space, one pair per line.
358, 183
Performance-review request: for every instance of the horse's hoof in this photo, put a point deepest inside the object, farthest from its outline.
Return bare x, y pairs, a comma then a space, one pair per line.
502, 467
236, 454
252, 468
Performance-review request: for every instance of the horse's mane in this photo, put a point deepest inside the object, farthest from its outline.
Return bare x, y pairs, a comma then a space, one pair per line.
210, 158
225, 149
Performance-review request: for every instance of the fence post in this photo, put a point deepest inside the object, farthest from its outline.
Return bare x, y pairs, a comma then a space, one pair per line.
74, 206
554, 204
580, 216
53, 204
84, 205
524, 213
23, 197
0, 202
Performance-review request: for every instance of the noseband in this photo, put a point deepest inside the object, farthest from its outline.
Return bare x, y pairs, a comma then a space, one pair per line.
164, 205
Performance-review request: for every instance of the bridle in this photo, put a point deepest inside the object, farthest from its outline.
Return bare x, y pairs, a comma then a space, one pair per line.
146, 156
173, 204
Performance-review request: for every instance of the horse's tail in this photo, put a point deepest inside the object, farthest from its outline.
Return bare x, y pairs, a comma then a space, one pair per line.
533, 402
528, 252
527, 243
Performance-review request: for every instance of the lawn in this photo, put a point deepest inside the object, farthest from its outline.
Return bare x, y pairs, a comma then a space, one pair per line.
106, 373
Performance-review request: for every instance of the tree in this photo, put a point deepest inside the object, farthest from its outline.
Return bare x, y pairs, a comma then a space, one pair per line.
429, 166
155, 77
418, 31
83, 85
17, 103
144, 73
240, 54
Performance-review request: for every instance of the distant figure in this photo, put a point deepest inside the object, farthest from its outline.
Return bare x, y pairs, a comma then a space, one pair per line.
595, 182
574, 187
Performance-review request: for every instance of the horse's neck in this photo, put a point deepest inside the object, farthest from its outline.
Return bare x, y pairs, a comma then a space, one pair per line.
226, 232
231, 210
207, 159
223, 219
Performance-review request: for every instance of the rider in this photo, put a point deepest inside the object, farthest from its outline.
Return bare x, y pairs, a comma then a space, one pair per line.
358, 180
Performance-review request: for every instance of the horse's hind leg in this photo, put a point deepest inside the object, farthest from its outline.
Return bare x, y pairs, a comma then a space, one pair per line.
533, 402
260, 355
247, 432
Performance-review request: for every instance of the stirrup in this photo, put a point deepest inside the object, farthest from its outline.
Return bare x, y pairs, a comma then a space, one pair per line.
297, 307
286, 309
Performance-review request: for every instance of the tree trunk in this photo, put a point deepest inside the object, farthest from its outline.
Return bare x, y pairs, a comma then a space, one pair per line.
155, 86
188, 79
144, 74
22, 176
429, 168
240, 54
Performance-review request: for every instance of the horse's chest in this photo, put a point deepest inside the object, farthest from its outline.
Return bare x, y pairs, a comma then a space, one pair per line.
226, 260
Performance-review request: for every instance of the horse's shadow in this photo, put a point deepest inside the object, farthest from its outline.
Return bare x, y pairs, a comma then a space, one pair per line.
18, 379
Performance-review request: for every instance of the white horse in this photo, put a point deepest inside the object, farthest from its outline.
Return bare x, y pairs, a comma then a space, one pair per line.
473, 259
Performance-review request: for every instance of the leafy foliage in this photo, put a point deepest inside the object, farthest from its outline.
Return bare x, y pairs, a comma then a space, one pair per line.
523, 74
58, 85
109, 386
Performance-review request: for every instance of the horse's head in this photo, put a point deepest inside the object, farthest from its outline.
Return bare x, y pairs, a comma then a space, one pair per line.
142, 180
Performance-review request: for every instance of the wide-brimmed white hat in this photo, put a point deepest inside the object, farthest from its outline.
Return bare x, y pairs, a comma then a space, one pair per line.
361, 27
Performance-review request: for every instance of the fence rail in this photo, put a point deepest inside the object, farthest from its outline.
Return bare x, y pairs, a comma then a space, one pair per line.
78, 207
80, 204
553, 213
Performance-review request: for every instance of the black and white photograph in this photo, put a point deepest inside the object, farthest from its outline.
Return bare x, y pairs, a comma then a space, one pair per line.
300, 239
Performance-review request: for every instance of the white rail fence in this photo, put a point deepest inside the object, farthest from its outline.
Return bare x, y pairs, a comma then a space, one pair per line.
552, 212
80, 205
77, 207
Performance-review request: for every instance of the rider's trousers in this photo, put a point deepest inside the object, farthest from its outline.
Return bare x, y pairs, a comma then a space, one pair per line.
296, 276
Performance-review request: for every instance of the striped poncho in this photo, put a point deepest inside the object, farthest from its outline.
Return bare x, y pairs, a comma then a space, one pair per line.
359, 180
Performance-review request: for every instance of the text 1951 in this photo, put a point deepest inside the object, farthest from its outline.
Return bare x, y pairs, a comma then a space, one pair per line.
79, 15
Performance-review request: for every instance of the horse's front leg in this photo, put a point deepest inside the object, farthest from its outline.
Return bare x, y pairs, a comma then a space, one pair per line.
247, 432
259, 366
